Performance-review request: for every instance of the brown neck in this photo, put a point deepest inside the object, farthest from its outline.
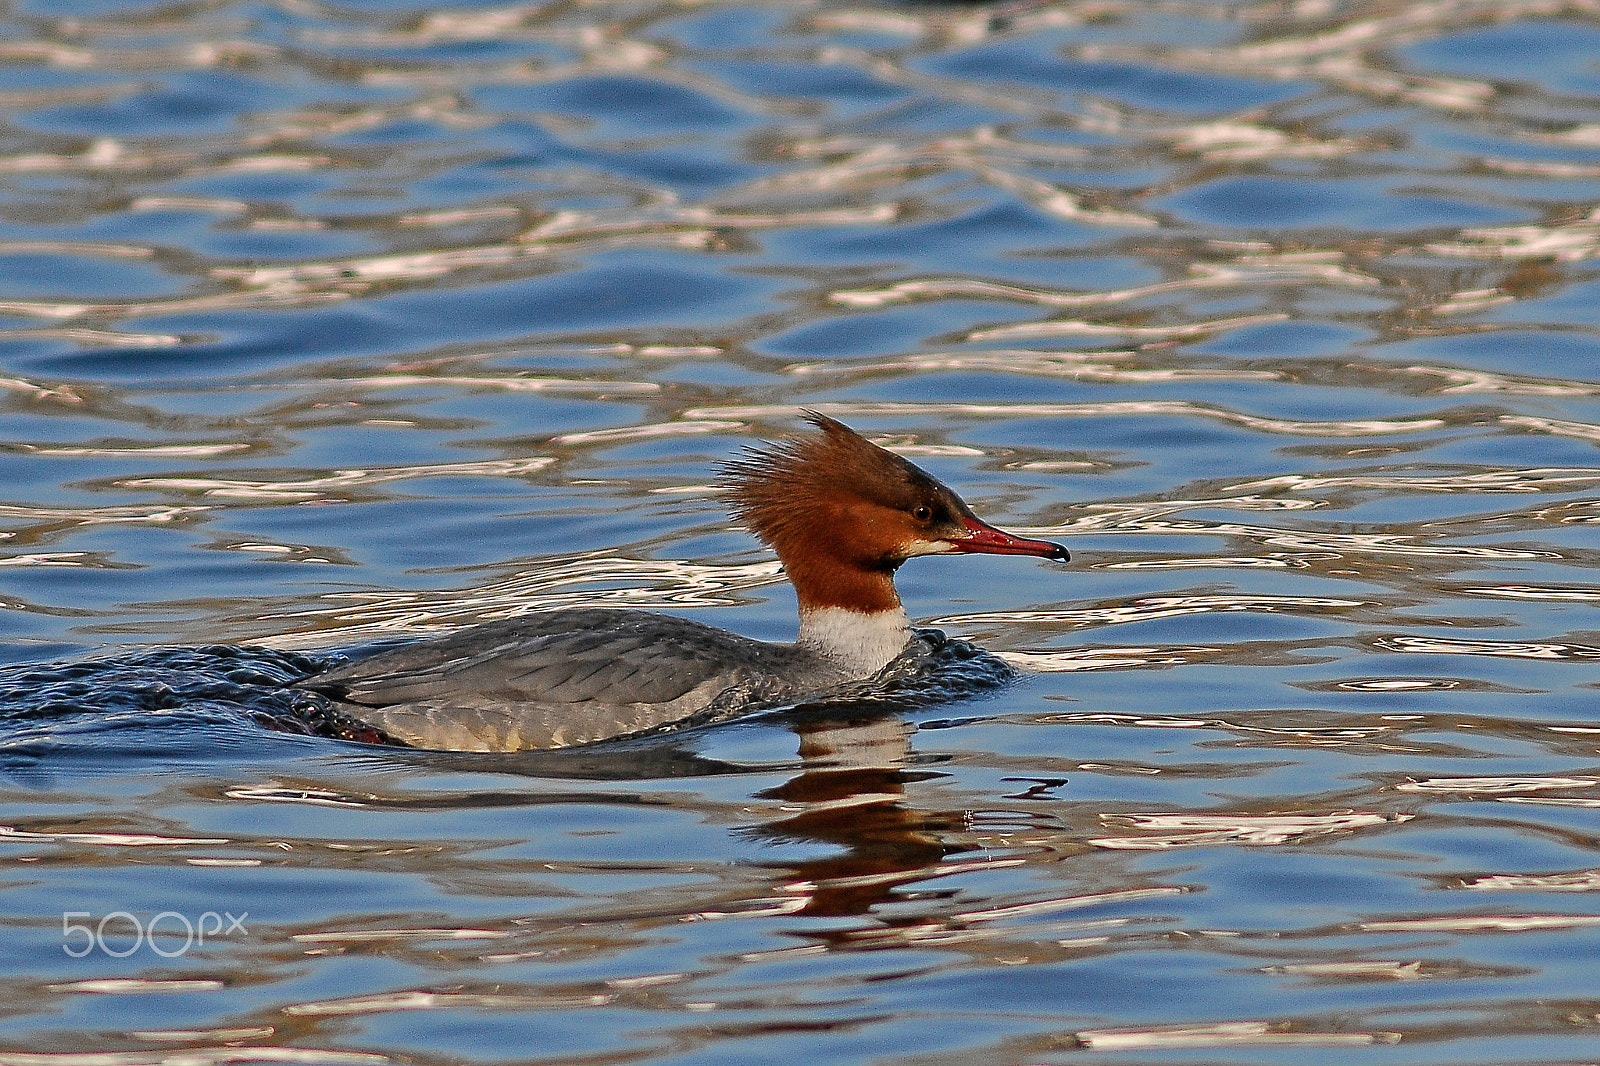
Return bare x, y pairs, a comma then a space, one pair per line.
848, 587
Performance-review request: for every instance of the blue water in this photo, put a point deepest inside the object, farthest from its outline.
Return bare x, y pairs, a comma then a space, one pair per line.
329, 325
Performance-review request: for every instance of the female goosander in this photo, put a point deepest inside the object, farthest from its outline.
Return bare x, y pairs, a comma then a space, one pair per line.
840, 512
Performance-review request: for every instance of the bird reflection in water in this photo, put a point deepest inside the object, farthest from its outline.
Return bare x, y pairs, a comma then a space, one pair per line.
850, 794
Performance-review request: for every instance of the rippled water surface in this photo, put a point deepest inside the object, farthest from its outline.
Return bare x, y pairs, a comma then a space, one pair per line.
324, 324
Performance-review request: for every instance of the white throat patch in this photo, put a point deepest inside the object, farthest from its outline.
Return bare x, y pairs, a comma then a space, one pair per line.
861, 643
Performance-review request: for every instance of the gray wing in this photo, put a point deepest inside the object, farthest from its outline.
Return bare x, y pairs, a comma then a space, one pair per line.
551, 680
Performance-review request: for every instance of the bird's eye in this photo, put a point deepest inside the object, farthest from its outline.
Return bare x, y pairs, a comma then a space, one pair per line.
922, 513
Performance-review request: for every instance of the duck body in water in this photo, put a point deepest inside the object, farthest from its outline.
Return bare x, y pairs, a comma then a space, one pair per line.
841, 513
